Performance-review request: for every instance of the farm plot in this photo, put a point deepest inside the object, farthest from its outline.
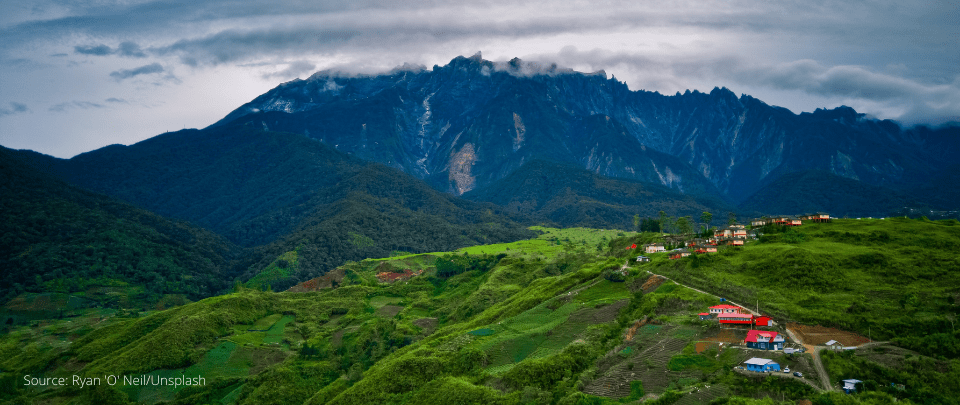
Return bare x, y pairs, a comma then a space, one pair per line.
647, 360
267, 330
540, 332
703, 395
819, 335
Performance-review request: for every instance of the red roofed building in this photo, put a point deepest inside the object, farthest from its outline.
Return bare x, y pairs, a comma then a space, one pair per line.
763, 321
766, 340
725, 309
705, 316
736, 319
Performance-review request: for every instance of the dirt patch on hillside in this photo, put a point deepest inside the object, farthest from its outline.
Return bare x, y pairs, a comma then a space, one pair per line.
819, 335
389, 311
727, 336
429, 325
652, 284
332, 279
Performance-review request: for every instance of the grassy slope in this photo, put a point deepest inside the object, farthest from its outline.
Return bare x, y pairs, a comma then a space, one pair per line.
511, 334
893, 278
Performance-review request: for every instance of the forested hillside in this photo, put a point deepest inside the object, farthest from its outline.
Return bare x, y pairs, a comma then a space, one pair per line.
567, 195
57, 238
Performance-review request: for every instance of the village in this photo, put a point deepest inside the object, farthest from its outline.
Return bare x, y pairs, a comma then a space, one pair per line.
761, 332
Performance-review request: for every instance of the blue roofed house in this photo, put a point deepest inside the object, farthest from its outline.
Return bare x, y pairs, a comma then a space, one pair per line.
761, 365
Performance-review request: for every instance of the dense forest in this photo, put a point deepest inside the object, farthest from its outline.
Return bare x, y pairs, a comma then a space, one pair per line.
567, 195
55, 237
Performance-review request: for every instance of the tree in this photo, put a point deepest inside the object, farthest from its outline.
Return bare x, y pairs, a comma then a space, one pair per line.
705, 219
731, 218
636, 222
684, 225
663, 221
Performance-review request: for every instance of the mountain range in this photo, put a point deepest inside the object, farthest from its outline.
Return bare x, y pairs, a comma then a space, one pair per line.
342, 167
472, 122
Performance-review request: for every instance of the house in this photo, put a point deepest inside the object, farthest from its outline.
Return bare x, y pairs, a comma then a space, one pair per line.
835, 345
736, 319
820, 217
759, 222
680, 253
705, 249
763, 321
643, 259
757, 339
790, 350
850, 386
705, 316
653, 248
730, 241
725, 309
761, 365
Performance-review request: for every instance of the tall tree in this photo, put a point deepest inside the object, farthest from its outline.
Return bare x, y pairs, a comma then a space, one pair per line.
663, 221
705, 219
636, 222
731, 218
684, 225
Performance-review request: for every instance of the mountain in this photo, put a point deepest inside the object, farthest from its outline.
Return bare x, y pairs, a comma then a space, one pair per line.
569, 195
820, 191
472, 122
58, 238
305, 206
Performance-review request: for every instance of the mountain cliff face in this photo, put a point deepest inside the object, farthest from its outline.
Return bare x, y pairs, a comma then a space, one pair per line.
472, 122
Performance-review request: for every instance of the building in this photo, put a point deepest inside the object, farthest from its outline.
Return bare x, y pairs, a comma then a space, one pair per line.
725, 309
818, 217
705, 249
835, 345
680, 253
764, 340
736, 319
761, 365
763, 321
643, 259
759, 222
850, 386
705, 316
653, 248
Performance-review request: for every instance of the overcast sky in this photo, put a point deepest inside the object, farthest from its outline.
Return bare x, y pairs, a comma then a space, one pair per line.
81, 74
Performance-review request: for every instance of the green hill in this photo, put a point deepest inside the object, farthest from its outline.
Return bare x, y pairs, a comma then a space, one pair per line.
549, 320
567, 195
55, 238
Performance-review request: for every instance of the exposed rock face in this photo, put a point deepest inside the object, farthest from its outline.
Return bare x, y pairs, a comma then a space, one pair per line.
473, 121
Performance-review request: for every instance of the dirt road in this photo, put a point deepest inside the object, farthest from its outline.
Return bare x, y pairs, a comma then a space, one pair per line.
704, 292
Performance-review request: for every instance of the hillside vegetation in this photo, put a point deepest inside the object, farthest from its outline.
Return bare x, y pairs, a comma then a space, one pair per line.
567, 195
892, 279
55, 238
549, 320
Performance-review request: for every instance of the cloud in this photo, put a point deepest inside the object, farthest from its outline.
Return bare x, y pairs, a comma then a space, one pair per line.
126, 48
117, 100
142, 70
70, 105
899, 97
294, 69
15, 108
130, 49
97, 50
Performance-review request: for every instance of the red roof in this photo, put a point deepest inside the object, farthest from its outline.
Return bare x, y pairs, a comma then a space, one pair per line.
752, 335
724, 306
704, 313
731, 315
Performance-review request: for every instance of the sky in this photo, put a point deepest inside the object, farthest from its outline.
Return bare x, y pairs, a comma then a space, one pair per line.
78, 75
